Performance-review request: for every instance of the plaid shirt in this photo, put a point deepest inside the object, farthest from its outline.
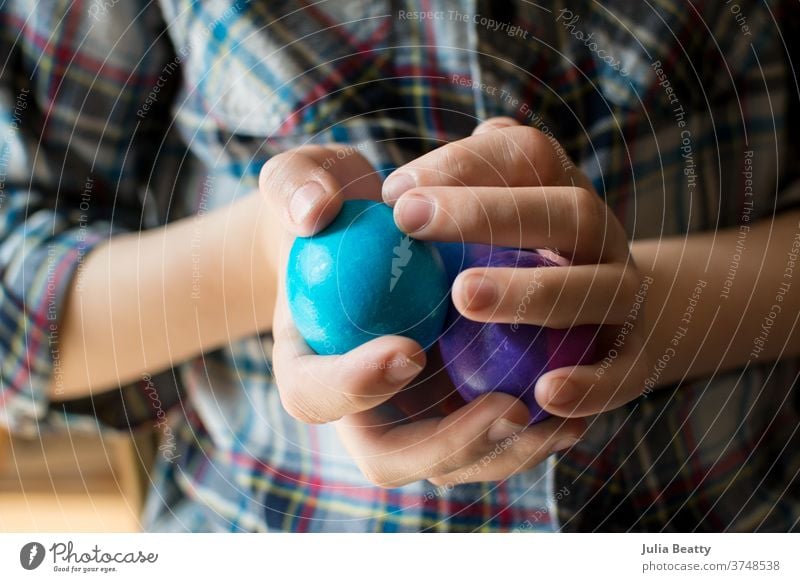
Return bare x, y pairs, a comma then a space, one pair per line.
120, 116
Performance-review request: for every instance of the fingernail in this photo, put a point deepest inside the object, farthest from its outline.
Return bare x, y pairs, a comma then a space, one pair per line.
414, 212
304, 199
503, 429
395, 185
479, 292
401, 369
560, 392
563, 444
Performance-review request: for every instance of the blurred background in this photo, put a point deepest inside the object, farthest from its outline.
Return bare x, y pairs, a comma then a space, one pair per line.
74, 481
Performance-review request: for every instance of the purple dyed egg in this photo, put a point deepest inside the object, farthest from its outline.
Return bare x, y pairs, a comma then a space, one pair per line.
458, 256
510, 358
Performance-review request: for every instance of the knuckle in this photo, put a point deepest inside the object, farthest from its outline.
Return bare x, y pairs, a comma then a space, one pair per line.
526, 455
300, 408
533, 300
546, 286
447, 464
531, 138
376, 475
537, 150
356, 402
456, 454
510, 155
586, 203
275, 172
452, 163
589, 217
541, 304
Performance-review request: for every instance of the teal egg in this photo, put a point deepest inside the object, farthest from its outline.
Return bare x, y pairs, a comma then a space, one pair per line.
361, 278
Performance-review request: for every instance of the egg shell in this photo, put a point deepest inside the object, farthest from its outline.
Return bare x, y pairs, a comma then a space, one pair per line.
486, 357
362, 278
457, 256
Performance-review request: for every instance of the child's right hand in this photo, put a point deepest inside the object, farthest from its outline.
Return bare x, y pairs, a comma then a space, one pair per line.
423, 432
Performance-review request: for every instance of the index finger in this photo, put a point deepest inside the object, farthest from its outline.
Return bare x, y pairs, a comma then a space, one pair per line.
306, 185
509, 156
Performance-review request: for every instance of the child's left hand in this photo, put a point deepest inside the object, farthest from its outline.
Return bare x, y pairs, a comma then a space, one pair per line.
511, 185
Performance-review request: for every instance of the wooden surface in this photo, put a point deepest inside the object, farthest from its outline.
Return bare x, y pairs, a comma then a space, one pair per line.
72, 482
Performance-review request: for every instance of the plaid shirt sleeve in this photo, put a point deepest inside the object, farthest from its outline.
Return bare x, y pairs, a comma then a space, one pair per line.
70, 166
720, 453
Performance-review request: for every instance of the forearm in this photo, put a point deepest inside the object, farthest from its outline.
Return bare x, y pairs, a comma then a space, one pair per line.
719, 300
146, 301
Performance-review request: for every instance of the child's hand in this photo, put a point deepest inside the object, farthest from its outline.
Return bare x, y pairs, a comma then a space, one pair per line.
511, 185
396, 435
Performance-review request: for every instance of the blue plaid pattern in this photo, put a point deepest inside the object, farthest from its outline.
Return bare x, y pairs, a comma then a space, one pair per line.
120, 116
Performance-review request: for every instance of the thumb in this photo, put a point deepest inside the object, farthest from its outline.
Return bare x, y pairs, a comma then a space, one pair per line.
305, 186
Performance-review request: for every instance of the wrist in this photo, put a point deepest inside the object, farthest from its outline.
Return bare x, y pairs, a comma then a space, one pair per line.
247, 246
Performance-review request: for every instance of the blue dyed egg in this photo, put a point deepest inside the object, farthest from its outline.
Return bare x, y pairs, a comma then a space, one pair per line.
361, 278
458, 256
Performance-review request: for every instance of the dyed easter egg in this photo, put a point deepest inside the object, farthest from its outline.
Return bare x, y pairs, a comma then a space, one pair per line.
458, 256
510, 358
361, 278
